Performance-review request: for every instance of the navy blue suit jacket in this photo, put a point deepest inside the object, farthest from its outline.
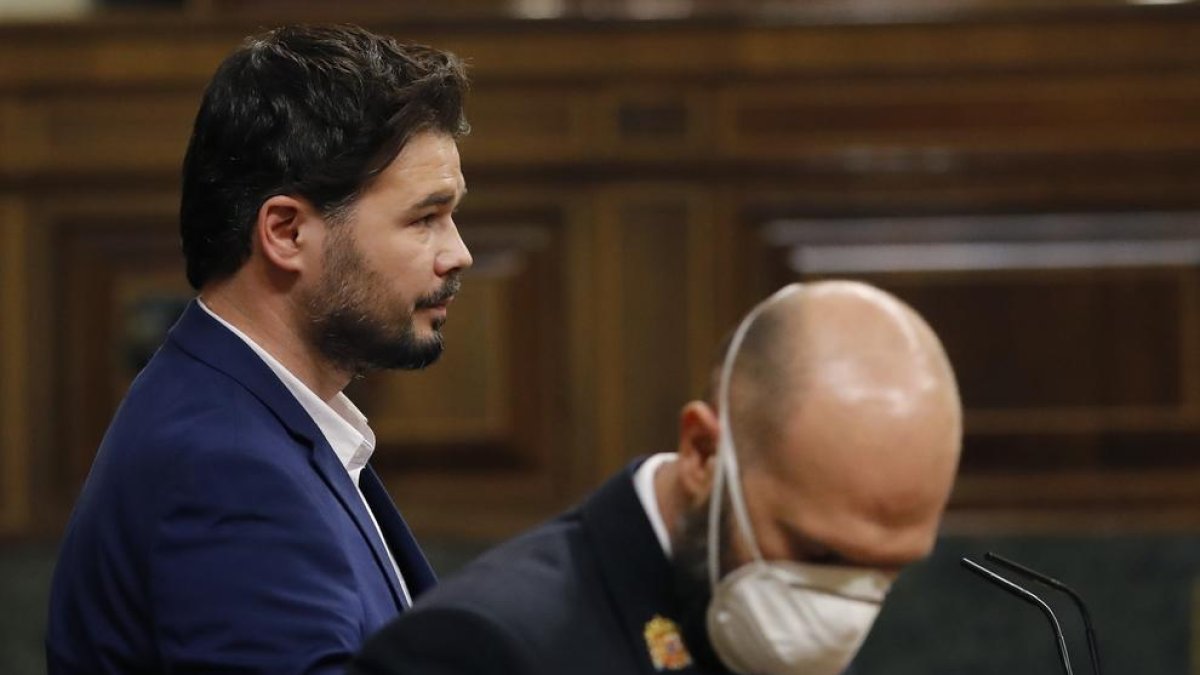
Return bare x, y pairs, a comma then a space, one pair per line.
218, 532
575, 596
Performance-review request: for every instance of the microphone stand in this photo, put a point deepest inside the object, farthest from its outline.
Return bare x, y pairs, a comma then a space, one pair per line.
1093, 650
1031, 598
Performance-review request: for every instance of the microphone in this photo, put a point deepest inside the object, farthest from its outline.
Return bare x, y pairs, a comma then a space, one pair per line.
1029, 597
1089, 632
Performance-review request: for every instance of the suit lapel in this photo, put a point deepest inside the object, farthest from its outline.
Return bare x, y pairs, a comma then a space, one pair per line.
418, 574
640, 582
206, 339
335, 476
636, 574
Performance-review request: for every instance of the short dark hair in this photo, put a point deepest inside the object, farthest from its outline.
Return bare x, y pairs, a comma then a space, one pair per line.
314, 112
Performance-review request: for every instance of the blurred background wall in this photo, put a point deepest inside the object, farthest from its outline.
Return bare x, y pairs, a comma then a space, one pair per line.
1024, 172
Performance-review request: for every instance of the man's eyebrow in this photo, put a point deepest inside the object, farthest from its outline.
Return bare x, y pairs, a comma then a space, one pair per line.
439, 199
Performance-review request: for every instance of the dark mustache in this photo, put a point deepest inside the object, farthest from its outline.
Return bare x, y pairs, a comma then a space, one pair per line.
442, 295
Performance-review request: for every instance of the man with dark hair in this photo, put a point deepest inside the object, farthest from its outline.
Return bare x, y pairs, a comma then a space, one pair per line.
764, 546
230, 521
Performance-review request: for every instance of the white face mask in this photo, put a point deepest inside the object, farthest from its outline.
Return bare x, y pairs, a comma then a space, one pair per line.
780, 617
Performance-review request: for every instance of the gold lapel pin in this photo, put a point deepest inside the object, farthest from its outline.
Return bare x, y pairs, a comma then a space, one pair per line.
665, 643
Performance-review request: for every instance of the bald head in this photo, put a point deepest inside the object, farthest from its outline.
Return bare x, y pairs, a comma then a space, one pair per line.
847, 420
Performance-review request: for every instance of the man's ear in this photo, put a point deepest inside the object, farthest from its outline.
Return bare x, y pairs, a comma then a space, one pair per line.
699, 429
289, 232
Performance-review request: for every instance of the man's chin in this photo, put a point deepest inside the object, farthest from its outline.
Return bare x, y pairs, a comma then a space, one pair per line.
419, 353
416, 349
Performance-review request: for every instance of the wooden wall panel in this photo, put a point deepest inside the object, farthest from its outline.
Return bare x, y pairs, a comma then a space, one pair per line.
929, 122
480, 442
1073, 337
15, 441
475, 394
653, 122
625, 177
654, 316
477, 445
515, 125
115, 278
136, 54
160, 50
464, 397
12, 125
125, 131
654, 320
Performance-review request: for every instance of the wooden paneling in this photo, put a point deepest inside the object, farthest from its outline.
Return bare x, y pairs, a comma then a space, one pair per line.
927, 124
520, 125
493, 352
939, 101
653, 123
626, 177
775, 11
114, 275
15, 442
90, 57
480, 442
654, 315
1073, 338
130, 131
653, 319
140, 51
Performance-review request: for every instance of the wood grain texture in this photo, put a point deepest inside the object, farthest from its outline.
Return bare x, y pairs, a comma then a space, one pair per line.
15, 441
624, 174
1072, 370
484, 438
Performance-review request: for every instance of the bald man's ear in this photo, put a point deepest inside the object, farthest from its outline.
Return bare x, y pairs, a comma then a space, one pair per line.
289, 232
697, 453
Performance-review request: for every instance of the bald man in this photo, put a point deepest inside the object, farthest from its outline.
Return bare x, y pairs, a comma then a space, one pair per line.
765, 544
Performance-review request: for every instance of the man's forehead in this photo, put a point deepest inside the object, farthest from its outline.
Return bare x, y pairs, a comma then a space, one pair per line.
427, 171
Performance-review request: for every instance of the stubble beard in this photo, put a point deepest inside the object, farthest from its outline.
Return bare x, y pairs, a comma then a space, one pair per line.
689, 572
359, 326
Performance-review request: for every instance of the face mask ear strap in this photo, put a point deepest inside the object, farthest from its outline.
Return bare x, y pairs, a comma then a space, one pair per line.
727, 454
736, 497
714, 519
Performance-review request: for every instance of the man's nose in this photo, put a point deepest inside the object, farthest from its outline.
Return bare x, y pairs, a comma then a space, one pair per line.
454, 256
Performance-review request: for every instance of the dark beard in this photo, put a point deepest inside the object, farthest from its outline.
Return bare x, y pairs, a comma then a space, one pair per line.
359, 343
353, 325
689, 571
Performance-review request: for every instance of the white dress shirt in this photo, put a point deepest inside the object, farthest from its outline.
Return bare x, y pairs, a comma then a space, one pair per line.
643, 483
340, 421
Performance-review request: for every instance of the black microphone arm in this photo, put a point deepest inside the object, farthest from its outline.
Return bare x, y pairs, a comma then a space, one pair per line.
1029, 597
1093, 650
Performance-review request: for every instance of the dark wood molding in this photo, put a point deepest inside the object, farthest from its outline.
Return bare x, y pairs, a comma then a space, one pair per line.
630, 168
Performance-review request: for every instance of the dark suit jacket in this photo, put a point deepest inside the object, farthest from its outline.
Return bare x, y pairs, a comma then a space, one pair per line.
218, 532
573, 597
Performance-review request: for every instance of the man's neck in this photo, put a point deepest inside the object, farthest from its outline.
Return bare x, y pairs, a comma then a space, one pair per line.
271, 324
